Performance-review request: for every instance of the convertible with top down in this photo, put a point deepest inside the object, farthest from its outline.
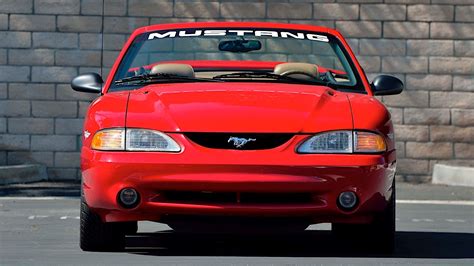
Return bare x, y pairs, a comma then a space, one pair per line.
235, 126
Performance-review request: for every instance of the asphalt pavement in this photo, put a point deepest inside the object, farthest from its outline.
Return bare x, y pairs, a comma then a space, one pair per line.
435, 225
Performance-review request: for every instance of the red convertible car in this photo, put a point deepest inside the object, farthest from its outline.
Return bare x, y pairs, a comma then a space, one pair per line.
231, 126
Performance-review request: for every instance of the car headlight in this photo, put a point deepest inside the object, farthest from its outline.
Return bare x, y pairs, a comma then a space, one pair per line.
343, 142
329, 142
150, 140
134, 139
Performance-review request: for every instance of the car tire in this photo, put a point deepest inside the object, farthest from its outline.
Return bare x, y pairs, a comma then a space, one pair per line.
378, 236
96, 235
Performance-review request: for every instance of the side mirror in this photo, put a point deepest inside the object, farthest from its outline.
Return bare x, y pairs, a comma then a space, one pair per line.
387, 85
90, 82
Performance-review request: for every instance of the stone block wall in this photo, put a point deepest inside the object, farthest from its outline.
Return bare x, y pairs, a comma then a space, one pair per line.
429, 44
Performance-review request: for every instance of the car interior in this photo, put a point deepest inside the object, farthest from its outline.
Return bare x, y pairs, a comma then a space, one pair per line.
302, 71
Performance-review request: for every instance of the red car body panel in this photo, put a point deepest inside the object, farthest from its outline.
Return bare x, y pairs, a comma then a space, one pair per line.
240, 107
280, 108
200, 169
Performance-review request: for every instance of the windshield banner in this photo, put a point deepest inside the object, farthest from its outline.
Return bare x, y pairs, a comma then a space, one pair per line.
239, 33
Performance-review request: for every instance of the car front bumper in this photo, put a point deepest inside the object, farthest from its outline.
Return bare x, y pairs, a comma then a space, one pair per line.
197, 169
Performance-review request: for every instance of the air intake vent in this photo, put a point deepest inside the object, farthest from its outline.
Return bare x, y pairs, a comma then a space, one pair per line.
209, 197
239, 141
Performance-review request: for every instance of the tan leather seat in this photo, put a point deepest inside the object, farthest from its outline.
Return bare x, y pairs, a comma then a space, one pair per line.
297, 70
183, 70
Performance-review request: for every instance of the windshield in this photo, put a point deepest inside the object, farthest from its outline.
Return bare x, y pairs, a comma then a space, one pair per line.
233, 54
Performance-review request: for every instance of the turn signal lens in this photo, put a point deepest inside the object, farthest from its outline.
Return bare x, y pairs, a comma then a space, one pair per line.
109, 140
368, 142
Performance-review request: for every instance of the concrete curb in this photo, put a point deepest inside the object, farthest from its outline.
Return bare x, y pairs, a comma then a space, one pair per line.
453, 175
26, 173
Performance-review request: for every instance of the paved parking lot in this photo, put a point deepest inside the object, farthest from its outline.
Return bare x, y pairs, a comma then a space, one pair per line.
44, 231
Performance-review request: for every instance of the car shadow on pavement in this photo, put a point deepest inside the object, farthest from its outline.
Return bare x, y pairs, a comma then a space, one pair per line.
307, 244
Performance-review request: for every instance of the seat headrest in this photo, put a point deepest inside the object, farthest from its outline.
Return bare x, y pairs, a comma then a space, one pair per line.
294, 70
184, 70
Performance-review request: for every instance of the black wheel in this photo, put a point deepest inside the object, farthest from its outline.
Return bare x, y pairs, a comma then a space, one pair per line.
96, 235
379, 235
383, 228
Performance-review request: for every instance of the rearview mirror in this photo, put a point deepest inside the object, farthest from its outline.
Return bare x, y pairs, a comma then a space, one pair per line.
90, 82
387, 85
240, 46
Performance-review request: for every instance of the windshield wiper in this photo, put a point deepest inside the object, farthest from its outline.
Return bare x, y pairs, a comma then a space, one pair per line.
266, 75
158, 77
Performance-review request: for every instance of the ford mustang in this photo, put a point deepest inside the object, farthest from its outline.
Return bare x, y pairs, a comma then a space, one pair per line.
236, 126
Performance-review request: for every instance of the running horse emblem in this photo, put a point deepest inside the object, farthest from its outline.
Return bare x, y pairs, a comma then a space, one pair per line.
240, 142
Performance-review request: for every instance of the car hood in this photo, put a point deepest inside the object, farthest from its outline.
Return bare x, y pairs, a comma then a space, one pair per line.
238, 107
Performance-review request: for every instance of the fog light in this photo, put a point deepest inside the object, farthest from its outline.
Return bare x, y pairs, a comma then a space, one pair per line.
347, 200
128, 197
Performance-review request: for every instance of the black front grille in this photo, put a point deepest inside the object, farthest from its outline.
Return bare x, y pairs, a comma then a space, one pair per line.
209, 197
239, 141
